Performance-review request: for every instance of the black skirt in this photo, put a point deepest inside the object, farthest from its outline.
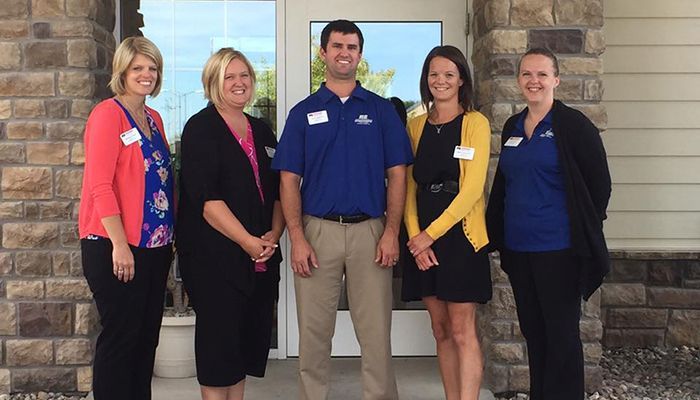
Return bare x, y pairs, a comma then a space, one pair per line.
462, 275
233, 331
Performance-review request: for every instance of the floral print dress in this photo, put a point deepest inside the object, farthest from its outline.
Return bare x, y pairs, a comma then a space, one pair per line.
158, 216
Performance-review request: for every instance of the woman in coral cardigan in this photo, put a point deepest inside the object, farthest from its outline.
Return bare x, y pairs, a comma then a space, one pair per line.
444, 217
126, 222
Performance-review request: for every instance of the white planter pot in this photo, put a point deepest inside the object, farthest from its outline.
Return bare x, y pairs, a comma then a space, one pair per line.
175, 352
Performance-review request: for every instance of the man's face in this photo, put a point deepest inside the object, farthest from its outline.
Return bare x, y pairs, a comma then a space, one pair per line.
342, 55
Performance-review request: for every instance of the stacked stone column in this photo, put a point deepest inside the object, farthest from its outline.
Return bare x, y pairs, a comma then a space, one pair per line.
55, 58
504, 30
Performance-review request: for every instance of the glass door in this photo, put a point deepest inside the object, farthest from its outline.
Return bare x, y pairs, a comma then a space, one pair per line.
398, 35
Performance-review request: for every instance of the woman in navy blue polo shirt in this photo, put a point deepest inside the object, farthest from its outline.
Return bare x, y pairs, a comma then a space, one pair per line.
545, 216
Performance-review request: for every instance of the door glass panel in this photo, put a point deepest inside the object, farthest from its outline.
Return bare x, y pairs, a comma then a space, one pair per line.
393, 56
187, 32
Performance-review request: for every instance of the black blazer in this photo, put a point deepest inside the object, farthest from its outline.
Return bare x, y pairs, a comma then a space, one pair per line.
215, 167
588, 187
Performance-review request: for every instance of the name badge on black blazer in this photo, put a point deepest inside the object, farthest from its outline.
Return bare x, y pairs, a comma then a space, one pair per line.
270, 151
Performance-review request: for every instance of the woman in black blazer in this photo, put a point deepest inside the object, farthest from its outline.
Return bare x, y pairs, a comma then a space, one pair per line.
545, 216
230, 221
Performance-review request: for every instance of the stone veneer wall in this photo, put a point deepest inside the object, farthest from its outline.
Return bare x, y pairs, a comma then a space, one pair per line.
504, 30
652, 299
55, 57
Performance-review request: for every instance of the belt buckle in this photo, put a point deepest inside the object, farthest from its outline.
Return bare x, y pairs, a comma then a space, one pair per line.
340, 220
435, 187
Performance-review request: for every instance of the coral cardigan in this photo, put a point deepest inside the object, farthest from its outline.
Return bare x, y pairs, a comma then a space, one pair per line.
468, 205
113, 179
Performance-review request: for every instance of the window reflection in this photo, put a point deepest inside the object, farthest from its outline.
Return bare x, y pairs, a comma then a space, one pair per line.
189, 31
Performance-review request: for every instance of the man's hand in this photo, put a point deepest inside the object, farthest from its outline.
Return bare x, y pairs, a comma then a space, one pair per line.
303, 257
387, 250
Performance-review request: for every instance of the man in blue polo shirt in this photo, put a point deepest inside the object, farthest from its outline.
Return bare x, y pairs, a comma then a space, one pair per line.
343, 141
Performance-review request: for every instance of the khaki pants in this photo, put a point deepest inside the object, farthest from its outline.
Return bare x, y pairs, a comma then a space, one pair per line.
350, 250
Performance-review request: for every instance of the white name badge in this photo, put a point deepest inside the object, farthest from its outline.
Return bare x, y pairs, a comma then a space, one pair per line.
317, 117
513, 141
464, 153
130, 136
270, 152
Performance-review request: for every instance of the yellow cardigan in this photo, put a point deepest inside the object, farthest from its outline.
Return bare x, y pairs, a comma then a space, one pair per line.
468, 205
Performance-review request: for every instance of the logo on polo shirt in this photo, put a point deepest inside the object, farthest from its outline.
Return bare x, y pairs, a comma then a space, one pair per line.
363, 119
548, 134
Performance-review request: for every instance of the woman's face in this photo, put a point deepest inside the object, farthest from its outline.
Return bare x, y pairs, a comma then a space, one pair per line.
444, 80
141, 76
238, 84
537, 79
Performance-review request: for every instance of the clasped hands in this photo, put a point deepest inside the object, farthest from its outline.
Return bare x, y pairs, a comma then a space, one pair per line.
419, 247
260, 249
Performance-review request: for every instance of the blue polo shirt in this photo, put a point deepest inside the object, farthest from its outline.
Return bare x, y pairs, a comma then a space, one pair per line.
536, 217
341, 150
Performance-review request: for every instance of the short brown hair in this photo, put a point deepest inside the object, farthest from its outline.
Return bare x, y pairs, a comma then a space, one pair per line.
124, 55
215, 70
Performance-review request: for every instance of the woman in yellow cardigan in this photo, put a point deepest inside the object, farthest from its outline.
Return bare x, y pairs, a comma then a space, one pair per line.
444, 217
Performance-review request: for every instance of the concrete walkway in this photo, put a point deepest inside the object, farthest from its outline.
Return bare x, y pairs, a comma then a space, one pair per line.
417, 378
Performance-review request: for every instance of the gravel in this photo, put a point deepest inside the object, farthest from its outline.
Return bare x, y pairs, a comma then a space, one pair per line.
645, 374
628, 374
40, 396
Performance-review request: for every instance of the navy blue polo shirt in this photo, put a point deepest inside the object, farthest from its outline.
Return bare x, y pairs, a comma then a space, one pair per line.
341, 150
536, 217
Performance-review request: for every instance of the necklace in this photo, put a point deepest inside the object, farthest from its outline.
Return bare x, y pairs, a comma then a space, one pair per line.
139, 118
439, 128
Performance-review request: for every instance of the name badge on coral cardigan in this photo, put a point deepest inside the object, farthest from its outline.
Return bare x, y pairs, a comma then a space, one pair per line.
130, 136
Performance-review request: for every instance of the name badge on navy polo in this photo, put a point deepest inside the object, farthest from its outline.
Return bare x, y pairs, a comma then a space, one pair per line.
317, 117
363, 119
513, 141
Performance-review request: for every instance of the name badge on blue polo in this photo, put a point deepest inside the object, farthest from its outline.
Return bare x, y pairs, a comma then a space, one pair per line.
317, 117
363, 119
513, 141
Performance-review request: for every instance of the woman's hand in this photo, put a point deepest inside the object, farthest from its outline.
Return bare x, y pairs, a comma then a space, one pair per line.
426, 260
419, 243
258, 248
272, 237
123, 262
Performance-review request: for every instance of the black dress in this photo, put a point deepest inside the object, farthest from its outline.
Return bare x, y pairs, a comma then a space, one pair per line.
462, 275
234, 304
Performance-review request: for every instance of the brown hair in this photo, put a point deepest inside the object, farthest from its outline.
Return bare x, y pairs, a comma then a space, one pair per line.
466, 91
541, 51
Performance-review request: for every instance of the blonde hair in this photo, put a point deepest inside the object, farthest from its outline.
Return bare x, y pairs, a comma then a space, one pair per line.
215, 70
124, 55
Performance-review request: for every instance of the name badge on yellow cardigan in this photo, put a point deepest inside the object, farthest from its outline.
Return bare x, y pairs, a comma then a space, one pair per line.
463, 153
